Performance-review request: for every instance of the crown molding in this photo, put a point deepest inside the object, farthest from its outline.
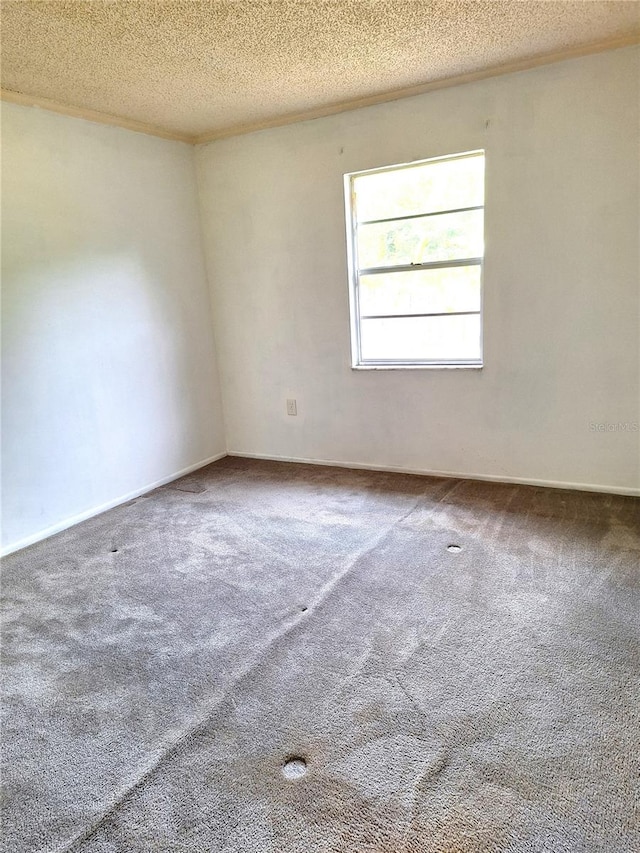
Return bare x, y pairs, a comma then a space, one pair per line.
422, 88
320, 112
92, 115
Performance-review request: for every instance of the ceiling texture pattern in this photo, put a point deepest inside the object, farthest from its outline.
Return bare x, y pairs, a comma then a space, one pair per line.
205, 69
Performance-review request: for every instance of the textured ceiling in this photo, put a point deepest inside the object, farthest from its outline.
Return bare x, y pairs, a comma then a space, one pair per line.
196, 68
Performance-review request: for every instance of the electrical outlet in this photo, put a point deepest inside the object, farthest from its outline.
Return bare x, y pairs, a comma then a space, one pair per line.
292, 407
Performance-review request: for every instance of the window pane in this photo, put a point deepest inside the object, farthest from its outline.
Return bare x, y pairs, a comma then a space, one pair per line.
421, 292
421, 338
414, 241
442, 185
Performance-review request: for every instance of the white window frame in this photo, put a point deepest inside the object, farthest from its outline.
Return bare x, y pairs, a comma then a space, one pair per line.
357, 362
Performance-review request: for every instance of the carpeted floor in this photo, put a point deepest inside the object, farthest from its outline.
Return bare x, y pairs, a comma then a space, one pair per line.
164, 661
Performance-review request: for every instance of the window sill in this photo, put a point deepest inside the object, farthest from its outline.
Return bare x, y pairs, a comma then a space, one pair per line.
417, 366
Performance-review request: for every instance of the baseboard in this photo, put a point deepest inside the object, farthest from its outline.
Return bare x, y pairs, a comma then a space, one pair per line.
90, 513
523, 481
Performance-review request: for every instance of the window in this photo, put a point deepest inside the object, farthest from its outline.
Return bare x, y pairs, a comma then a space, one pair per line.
416, 243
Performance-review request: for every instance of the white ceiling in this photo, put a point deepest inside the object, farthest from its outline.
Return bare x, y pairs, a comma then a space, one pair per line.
205, 69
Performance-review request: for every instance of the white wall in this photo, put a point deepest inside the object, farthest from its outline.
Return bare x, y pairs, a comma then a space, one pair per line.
108, 360
561, 283
109, 370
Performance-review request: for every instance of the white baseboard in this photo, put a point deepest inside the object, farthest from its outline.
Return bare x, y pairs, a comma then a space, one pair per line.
90, 513
491, 478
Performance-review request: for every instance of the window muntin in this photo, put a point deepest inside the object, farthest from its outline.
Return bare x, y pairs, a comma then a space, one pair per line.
416, 247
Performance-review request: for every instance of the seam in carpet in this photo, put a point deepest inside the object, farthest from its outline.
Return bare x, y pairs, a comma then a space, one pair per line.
218, 705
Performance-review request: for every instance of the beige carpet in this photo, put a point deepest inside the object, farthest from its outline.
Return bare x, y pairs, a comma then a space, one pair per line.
164, 661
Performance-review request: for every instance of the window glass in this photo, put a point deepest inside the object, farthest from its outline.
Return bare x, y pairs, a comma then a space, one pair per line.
416, 236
